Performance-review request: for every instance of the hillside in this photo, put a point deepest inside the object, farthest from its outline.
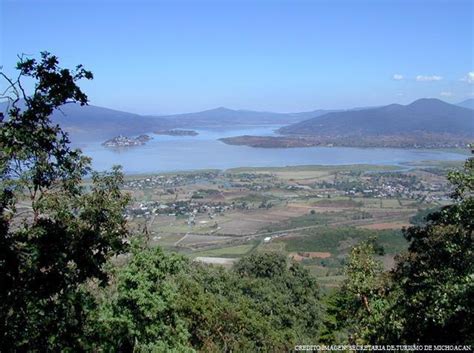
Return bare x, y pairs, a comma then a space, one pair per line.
468, 103
92, 122
87, 123
424, 116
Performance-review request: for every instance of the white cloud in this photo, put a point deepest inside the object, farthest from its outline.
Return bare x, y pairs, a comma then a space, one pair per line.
422, 78
469, 78
446, 94
397, 77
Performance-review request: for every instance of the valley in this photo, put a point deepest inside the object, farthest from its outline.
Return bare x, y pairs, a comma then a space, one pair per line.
313, 214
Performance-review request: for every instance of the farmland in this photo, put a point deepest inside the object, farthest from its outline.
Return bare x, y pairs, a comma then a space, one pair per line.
314, 214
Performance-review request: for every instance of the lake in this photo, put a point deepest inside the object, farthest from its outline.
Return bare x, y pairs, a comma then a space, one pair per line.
180, 153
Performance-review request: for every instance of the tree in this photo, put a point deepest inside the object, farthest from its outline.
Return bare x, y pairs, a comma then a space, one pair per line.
359, 308
428, 298
141, 312
435, 277
55, 235
162, 302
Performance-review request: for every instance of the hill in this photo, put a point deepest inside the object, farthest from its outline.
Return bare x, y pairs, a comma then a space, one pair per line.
468, 103
223, 117
87, 123
92, 122
424, 116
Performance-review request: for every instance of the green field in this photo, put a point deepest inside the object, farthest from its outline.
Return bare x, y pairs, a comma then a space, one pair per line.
311, 208
297, 222
231, 251
338, 241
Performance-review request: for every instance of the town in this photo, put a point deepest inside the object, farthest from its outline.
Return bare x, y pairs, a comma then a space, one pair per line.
215, 192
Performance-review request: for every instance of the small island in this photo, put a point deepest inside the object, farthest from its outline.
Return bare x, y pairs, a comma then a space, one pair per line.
177, 132
124, 141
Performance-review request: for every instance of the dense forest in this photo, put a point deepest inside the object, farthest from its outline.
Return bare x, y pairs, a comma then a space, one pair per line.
73, 277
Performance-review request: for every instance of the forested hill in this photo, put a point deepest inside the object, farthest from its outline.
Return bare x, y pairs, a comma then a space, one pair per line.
431, 116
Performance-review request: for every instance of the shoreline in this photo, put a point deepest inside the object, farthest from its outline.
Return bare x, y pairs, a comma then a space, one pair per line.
300, 141
363, 167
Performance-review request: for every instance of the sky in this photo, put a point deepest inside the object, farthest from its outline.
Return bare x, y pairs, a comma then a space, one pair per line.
163, 57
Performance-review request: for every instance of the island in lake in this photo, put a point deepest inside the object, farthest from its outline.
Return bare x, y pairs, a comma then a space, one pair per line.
124, 141
177, 132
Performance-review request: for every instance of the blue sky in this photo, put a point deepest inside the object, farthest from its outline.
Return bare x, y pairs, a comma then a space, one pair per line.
158, 57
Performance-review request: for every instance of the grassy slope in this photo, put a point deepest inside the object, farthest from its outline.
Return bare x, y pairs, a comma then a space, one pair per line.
338, 241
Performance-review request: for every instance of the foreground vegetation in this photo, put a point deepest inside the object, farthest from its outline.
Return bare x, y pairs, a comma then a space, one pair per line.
74, 278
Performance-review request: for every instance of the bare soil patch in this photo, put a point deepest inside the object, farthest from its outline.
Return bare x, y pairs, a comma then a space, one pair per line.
300, 256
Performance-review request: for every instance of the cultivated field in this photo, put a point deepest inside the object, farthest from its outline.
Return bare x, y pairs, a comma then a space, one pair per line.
314, 214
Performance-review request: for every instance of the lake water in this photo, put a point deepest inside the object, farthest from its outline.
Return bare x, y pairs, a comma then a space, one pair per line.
179, 153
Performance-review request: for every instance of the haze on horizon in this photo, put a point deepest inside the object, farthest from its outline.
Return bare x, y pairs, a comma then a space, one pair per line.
168, 57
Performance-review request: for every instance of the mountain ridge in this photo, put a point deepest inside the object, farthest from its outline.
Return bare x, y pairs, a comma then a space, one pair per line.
87, 123
468, 103
427, 115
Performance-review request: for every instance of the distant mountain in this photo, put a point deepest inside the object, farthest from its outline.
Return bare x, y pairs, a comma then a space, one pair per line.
88, 123
468, 103
223, 117
321, 112
428, 116
312, 114
92, 123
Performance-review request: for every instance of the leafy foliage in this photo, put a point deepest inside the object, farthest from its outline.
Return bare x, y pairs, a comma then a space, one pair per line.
140, 312
162, 302
428, 297
436, 276
55, 235
359, 308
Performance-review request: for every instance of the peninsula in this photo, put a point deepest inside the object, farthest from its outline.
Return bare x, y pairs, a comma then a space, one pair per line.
271, 141
177, 132
415, 140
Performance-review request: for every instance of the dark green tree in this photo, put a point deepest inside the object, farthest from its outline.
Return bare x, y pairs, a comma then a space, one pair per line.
55, 235
434, 280
359, 308
140, 312
428, 298
163, 303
